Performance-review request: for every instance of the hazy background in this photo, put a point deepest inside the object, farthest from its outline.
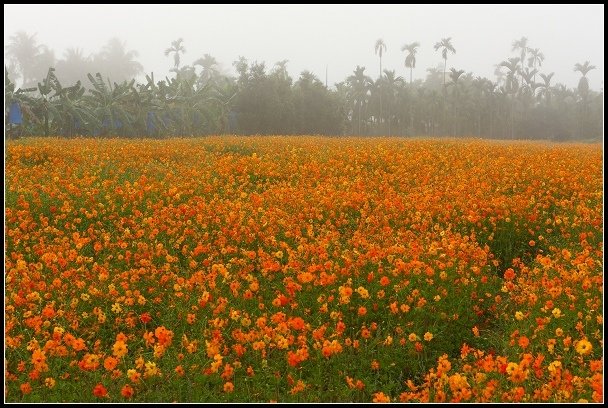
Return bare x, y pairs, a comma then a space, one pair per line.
338, 37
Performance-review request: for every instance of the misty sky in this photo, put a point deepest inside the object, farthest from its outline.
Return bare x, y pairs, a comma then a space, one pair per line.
337, 36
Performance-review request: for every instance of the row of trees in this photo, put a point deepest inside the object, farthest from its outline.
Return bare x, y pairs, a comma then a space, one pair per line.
521, 103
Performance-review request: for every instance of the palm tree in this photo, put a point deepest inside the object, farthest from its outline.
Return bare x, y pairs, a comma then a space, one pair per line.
410, 59
535, 57
446, 45
544, 89
583, 83
378, 50
22, 50
455, 76
359, 85
583, 89
389, 87
44, 60
511, 84
74, 66
379, 47
209, 65
176, 48
118, 63
521, 45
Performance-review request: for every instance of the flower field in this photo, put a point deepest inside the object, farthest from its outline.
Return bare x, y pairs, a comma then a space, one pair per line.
303, 269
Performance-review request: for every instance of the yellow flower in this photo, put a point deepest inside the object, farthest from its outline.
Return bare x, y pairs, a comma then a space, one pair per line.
428, 336
519, 315
116, 308
583, 347
49, 382
151, 369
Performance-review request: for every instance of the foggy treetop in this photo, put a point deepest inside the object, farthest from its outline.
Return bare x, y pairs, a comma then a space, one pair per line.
322, 39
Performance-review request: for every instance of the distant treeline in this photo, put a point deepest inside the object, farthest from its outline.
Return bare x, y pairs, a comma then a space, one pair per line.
521, 104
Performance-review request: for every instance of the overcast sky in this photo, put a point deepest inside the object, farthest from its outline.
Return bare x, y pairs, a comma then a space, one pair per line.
338, 37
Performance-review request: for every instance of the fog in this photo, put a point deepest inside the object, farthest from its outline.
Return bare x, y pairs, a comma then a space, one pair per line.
328, 40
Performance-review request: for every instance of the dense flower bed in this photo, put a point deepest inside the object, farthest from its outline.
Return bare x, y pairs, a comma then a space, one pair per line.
303, 269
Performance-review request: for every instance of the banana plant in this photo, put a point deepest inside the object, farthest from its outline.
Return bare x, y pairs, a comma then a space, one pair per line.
74, 113
152, 104
48, 104
223, 100
188, 109
16, 103
112, 105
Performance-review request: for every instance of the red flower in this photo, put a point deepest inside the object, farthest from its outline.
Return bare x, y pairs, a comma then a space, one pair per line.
100, 391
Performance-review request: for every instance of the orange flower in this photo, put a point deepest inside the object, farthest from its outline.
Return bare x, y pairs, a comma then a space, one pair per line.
38, 357
296, 323
100, 391
120, 349
523, 342
26, 388
228, 387
381, 397
127, 391
366, 333
78, 344
110, 363
518, 375
163, 335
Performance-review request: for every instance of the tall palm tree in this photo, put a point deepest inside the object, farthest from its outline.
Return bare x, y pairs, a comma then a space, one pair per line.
583, 83
74, 66
583, 89
379, 47
511, 85
457, 85
44, 60
536, 57
446, 45
22, 50
359, 87
522, 46
410, 59
209, 65
544, 89
389, 87
118, 63
176, 48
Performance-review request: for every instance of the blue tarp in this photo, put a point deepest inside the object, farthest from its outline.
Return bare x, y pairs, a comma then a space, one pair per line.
15, 116
106, 123
150, 123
